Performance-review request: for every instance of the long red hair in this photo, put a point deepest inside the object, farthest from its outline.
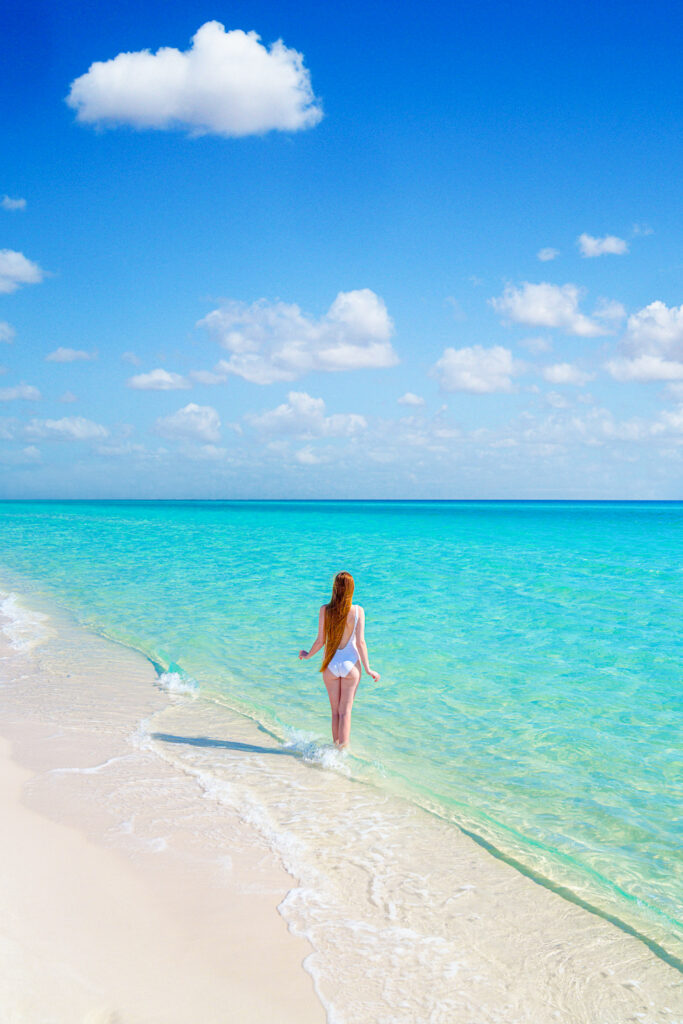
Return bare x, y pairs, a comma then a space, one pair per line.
336, 614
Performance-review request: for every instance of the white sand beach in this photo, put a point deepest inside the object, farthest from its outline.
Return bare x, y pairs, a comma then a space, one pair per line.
149, 839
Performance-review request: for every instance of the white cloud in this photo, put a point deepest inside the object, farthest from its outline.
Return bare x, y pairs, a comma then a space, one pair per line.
130, 357
547, 305
16, 269
69, 355
272, 342
609, 310
7, 332
69, 428
410, 399
536, 344
644, 368
609, 244
670, 421
20, 391
476, 369
547, 254
643, 229
656, 329
208, 376
652, 347
307, 457
227, 84
158, 380
191, 423
68, 396
8, 203
565, 373
304, 416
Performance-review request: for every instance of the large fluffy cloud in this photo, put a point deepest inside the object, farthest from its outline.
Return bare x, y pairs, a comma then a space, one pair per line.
652, 347
191, 423
158, 380
304, 416
547, 305
590, 246
16, 269
227, 83
271, 342
476, 369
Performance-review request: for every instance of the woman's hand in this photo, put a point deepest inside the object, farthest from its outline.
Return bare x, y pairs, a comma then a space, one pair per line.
302, 655
374, 675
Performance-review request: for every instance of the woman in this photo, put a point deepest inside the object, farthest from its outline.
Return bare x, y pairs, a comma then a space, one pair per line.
341, 631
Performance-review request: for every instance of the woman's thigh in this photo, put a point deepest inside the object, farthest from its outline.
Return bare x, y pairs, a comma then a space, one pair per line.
348, 687
333, 685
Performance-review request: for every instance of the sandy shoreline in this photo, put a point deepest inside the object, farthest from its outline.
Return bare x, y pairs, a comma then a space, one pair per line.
144, 854
102, 928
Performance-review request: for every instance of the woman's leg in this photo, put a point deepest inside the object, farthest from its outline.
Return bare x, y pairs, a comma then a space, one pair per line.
332, 683
348, 687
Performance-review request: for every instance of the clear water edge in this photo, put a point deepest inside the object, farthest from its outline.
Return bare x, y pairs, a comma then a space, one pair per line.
576, 877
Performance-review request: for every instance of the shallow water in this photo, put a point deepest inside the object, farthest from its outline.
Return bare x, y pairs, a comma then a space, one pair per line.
530, 656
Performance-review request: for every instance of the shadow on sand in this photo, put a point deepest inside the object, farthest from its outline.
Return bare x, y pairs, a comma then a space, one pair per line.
205, 741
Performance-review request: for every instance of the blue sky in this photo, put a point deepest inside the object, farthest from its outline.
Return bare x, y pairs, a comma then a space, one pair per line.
405, 251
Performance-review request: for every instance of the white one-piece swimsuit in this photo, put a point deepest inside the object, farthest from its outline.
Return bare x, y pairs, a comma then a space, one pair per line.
345, 658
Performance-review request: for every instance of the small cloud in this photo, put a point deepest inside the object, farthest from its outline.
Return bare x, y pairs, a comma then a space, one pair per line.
547, 254
68, 396
547, 305
69, 428
208, 376
8, 203
24, 392
642, 229
304, 416
307, 457
16, 270
158, 380
652, 347
7, 332
609, 310
271, 342
610, 244
227, 83
536, 345
556, 401
457, 310
70, 355
645, 368
410, 399
476, 369
191, 423
565, 373
475, 281
130, 357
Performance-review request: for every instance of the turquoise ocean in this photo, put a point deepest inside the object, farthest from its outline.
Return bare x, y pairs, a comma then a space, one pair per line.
530, 655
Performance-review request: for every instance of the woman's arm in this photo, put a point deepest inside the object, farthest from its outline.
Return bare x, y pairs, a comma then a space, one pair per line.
362, 646
319, 640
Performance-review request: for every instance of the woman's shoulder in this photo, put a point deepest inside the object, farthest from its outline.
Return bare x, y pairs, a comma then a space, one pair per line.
358, 608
